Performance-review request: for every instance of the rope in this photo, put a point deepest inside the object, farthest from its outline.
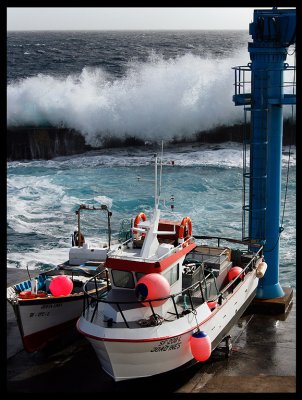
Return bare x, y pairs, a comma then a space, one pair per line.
194, 312
290, 146
284, 202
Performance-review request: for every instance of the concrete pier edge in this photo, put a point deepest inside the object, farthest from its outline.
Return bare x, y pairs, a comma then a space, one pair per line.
274, 306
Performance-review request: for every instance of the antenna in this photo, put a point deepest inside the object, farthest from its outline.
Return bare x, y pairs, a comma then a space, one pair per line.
157, 187
155, 184
161, 167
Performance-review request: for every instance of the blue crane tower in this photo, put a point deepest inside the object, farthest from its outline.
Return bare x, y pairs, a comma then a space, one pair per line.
273, 31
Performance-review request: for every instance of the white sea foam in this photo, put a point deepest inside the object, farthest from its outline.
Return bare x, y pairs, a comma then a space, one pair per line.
156, 99
34, 196
224, 155
33, 259
103, 200
43, 207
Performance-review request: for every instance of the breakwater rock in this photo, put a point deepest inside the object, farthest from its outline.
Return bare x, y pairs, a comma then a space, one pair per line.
29, 143
26, 143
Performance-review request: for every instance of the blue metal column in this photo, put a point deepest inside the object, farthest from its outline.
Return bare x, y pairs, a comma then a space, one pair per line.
272, 31
266, 155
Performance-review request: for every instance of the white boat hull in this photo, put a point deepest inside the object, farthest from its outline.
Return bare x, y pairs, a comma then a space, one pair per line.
127, 353
42, 319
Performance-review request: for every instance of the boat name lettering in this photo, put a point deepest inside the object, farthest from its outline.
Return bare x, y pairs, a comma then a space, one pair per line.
52, 305
40, 314
168, 344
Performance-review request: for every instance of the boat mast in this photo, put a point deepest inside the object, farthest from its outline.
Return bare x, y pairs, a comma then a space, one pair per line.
273, 31
161, 168
157, 189
150, 244
156, 199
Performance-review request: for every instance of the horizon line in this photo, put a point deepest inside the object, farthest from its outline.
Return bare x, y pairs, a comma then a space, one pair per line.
133, 30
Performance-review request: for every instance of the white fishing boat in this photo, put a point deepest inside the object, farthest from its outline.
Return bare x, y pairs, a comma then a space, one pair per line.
50, 302
169, 301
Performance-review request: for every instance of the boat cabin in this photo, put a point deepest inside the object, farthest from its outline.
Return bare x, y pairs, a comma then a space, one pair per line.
156, 247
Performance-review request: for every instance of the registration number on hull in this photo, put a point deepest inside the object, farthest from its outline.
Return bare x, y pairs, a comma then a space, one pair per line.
168, 344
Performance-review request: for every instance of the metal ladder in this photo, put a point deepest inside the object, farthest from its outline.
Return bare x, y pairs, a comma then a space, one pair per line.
249, 180
243, 97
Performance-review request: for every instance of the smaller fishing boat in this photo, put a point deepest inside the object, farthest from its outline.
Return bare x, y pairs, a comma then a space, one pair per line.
50, 302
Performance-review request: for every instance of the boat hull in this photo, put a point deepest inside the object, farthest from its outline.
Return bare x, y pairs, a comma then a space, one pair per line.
124, 355
41, 320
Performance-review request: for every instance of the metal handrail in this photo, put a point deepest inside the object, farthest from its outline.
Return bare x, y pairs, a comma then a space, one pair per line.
187, 291
239, 276
97, 299
241, 83
254, 242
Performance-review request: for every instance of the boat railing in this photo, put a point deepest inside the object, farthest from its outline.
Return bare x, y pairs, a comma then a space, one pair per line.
189, 294
240, 277
253, 242
192, 296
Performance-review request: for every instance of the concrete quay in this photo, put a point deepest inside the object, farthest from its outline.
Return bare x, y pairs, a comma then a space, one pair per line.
263, 360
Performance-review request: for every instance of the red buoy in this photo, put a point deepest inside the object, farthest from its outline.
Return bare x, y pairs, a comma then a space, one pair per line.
233, 272
61, 285
212, 305
200, 346
152, 286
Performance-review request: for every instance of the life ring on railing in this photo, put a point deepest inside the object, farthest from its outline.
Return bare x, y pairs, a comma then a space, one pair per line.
76, 240
138, 218
185, 229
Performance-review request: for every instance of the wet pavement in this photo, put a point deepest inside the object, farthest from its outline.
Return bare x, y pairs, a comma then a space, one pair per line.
263, 360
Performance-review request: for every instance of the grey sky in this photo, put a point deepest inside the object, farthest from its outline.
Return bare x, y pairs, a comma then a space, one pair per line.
86, 18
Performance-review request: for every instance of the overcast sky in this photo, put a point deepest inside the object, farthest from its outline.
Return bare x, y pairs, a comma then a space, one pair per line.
102, 18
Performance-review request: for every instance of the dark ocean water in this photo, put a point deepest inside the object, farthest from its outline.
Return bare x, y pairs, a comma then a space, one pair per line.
60, 53
154, 85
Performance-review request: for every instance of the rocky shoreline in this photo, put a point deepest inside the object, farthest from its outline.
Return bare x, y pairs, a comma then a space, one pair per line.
30, 143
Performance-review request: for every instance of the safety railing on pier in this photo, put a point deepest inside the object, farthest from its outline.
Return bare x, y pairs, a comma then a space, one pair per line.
243, 85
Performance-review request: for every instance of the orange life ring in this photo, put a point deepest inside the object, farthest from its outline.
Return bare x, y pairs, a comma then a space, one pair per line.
139, 217
186, 221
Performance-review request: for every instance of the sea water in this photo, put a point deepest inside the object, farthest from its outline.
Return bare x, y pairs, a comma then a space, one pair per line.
206, 185
153, 85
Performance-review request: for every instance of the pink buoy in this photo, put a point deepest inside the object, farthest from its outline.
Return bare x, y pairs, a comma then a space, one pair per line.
200, 344
61, 285
152, 286
212, 305
233, 272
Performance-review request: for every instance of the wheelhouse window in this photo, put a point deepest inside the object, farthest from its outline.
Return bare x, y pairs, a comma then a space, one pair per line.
172, 275
138, 275
123, 279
